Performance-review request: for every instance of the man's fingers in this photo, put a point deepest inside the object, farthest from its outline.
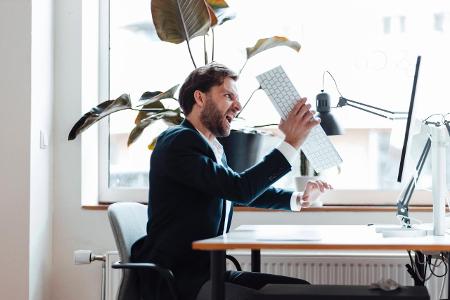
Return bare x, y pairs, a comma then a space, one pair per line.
305, 203
304, 110
310, 186
320, 185
313, 123
326, 185
298, 106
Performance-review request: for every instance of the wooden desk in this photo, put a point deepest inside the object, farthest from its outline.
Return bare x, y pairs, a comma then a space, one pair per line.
306, 237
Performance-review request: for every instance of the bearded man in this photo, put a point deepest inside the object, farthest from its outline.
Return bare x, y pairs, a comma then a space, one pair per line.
192, 190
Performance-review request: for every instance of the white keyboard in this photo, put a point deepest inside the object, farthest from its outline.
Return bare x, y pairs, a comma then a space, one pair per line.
318, 148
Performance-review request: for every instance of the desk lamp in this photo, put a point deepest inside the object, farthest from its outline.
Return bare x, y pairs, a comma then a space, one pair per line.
329, 123
436, 143
323, 104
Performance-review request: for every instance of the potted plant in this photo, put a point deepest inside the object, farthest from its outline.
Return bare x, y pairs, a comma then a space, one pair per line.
171, 21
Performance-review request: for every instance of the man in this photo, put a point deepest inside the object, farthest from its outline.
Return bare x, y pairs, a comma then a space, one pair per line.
190, 183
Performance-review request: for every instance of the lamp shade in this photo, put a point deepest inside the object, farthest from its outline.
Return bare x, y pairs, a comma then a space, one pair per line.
329, 124
328, 121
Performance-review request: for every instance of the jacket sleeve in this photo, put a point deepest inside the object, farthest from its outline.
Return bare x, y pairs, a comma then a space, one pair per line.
273, 198
187, 162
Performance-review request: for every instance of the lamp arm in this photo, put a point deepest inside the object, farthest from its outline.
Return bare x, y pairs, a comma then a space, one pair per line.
405, 196
372, 109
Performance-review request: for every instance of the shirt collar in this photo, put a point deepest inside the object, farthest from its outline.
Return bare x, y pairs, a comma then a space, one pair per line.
215, 145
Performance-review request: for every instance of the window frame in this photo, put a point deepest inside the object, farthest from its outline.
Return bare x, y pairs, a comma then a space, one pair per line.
107, 194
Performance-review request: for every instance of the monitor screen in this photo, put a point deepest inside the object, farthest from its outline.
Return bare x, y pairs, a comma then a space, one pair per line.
409, 122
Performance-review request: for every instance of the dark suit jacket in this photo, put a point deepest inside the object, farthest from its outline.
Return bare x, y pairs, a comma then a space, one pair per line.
188, 189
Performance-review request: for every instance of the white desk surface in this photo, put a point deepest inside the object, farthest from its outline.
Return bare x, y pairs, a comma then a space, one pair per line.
319, 237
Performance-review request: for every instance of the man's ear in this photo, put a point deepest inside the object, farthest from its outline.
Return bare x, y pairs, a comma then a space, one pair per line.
199, 98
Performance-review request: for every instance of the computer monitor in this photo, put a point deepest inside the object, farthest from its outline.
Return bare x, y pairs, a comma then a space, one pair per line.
423, 141
409, 123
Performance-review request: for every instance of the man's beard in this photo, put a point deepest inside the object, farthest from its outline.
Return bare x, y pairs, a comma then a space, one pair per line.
213, 119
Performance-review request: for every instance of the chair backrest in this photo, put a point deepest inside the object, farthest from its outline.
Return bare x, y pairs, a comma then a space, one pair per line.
128, 223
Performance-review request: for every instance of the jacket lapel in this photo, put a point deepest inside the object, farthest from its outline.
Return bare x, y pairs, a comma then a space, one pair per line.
188, 124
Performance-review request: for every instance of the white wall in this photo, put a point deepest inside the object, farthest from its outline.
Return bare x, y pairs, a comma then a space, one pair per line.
73, 228
26, 84
15, 116
41, 163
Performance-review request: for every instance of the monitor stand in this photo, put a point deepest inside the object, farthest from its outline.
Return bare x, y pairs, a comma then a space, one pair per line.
438, 142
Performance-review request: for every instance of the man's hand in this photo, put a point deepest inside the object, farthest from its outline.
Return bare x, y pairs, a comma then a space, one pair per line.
298, 124
313, 189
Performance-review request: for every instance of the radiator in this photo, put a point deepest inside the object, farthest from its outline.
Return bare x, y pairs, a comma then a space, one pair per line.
318, 268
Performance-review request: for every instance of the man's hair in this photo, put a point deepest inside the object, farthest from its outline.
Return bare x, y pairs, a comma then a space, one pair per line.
202, 79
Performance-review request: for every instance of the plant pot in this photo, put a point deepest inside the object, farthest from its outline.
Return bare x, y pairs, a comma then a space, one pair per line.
242, 149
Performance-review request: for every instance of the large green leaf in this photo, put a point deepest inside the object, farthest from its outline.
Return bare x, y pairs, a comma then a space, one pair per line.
221, 12
149, 97
179, 20
175, 119
139, 128
151, 102
149, 110
95, 114
267, 43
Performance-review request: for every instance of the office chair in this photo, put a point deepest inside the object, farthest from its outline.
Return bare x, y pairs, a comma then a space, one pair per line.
128, 222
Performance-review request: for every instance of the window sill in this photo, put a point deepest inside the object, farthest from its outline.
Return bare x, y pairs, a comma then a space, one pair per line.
325, 208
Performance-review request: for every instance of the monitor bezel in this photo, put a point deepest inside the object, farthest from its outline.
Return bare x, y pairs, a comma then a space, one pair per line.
408, 121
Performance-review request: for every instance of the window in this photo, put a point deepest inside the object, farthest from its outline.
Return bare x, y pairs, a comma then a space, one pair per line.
369, 46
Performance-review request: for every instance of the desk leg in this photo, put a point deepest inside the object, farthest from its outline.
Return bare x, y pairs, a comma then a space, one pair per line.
448, 275
256, 260
218, 275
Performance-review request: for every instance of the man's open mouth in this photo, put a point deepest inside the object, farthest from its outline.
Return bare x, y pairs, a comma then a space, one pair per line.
229, 118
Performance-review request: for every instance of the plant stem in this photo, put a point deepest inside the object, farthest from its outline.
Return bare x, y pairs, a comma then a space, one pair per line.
248, 101
190, 53
304, 165
213, 44
240, 71
204, 49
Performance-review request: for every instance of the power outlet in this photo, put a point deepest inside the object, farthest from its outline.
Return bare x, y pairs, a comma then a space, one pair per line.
43, 140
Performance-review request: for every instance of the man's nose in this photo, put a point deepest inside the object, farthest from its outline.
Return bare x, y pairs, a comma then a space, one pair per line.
237, 105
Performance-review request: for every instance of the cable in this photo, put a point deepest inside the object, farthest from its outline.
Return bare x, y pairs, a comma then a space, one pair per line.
323, 82
445, 117
412, 269
443, 120
435, 265
444, 259
442, 286
248, 100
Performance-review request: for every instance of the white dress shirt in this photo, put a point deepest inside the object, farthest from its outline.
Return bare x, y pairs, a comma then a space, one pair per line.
289, 152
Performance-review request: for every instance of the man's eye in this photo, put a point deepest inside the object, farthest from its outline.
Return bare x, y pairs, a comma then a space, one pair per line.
229, 96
